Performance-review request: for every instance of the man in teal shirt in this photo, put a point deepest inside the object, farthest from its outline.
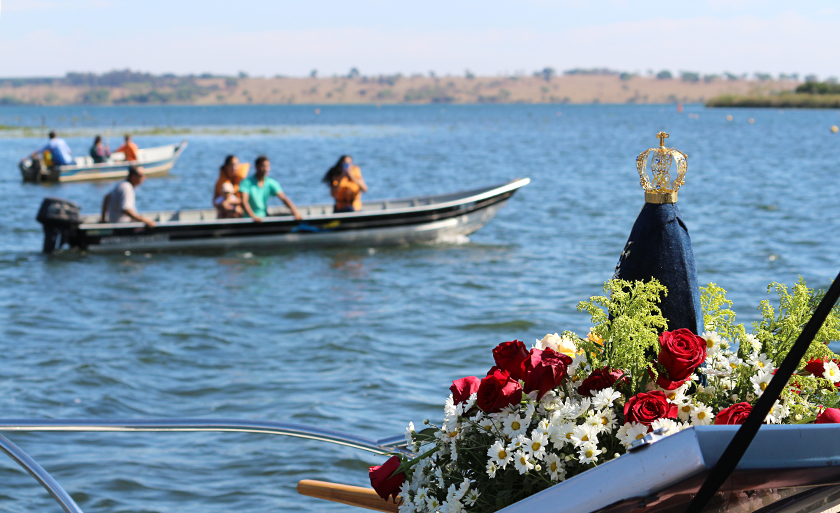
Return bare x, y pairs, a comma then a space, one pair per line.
257, 189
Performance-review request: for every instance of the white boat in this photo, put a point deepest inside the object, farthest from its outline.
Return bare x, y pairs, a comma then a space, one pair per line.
383, 222
156, 161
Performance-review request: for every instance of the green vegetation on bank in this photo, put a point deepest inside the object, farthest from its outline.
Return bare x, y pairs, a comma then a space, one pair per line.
810, 95
779, 101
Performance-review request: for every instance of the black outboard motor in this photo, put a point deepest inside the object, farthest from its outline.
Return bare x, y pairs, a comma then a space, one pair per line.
60, 219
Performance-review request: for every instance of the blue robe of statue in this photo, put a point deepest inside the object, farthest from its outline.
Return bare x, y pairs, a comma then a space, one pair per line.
659, 247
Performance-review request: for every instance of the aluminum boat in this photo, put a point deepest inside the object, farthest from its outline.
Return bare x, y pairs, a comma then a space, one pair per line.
156, 161
385, 222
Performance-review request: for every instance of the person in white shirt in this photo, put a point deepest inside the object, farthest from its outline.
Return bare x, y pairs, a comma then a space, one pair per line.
118, 205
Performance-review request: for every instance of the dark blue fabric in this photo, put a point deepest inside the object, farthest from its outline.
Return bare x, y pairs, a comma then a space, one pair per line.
659, 247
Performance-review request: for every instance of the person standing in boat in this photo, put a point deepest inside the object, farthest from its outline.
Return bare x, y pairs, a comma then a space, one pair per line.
129, 149
257, 189
346, 185
60, 154
118, 205
99, 152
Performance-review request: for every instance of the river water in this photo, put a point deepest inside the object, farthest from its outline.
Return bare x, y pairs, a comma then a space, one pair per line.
364, 339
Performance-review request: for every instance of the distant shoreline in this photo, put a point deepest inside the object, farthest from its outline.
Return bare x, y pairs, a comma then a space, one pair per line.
778, 101
564, 89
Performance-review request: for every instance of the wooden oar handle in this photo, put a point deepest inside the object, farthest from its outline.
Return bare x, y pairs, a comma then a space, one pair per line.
346, 494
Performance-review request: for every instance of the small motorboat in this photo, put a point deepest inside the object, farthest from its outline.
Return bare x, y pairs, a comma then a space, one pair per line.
156, 161
384, 222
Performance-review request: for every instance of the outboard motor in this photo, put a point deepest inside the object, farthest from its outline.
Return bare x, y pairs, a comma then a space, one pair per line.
60, 219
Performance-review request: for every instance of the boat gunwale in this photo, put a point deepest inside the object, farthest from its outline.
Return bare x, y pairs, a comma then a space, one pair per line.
488, 193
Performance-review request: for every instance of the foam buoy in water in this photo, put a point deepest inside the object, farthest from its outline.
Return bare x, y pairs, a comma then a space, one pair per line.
317, 111
729, 118
834, 129
751, 121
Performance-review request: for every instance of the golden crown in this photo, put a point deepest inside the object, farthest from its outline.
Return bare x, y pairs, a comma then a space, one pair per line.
661, 189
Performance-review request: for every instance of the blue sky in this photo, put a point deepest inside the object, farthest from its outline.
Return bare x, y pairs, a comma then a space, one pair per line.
267, 38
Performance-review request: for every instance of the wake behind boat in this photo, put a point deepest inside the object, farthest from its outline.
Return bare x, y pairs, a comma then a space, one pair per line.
156, 161
397, 221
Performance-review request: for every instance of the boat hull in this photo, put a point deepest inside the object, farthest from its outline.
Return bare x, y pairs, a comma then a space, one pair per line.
393, 222
155, 161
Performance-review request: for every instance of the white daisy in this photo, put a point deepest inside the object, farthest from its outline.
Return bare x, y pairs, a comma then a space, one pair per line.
678, 394
498, 453
760, 381
734, 361
712, 342
560, 433
585, 433
514, 425
778, 413
492, 468
831, 372
487, 425
753, 342
604, 398
409, 434
536, 445
432, 504
555, 467
762, 362
517, 443
671, 426
471, 497
542, 426
588, 452
701, 415
604, 419
522, 461
630, 432
684, 410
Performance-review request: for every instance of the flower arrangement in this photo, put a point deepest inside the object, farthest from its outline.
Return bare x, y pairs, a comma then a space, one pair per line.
545, 414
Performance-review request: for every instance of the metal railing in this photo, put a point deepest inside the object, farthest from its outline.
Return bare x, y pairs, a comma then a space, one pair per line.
383, 446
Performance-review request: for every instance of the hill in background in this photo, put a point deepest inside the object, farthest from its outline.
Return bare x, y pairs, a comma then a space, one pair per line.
574, 86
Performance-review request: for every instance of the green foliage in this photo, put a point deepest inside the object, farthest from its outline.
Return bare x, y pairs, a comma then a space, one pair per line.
628, 321
717, 313
818, 88
778, 333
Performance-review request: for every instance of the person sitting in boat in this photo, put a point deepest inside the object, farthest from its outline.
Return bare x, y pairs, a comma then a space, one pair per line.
346, 185
231, 173
59, 152
118, 205
129, 149
257, 189
99, 152
228, 204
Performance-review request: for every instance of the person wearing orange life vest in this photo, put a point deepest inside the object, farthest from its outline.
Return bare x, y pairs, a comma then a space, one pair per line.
129, 149
231, 174
346, 185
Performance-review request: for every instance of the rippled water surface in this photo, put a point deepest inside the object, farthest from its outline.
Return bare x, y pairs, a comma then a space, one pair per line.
363, 339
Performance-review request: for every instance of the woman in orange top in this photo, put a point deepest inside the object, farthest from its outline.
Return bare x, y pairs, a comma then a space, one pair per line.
346, 185
231, 172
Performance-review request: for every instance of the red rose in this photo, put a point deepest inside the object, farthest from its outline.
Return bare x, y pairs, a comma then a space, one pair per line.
383, 479
497, 391
829, 416
600, 379
645, 407
735, 414
681, 352
463, 388
544, 370
509, 356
